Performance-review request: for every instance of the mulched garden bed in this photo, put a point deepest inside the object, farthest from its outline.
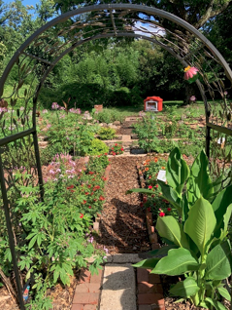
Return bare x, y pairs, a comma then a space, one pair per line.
122, 227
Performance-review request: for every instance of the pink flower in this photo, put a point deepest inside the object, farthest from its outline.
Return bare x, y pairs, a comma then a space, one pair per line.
150, 187
190, 72
55, 106
192, 98
161, 214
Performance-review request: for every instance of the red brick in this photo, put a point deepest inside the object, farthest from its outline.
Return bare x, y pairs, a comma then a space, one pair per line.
149, 288
96, 278
157, 307
82, 288
77, 307
90, 307
153, 278
86, 298
142, 275
148, 299
94, 287
84, 276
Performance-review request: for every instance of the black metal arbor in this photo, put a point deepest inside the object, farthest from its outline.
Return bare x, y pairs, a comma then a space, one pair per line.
19, 150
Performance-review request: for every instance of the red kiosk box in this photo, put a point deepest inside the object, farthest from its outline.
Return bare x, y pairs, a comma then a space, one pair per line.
153, 104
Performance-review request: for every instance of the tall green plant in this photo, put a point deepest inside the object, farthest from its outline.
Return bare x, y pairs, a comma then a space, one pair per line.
198, 247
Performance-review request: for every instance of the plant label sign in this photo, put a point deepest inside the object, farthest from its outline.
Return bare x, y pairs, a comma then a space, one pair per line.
162, 175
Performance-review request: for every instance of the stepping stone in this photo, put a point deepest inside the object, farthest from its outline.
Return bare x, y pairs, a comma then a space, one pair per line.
118, 289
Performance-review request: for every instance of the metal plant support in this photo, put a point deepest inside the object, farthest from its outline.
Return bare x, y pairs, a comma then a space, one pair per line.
38, 55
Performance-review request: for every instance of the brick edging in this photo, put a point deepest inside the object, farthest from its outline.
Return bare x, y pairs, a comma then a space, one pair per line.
149, 287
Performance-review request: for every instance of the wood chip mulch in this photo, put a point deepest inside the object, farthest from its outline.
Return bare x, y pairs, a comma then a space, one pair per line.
123, 228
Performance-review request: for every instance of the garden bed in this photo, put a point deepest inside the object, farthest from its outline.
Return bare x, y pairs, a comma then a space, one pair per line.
156, 242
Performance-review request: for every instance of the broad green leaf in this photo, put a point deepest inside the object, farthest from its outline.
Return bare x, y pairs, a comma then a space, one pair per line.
149, 263
193, 192
200, 224
218, 262
201, 178
162, 251
177, 262
226, 219
177, 170
215, 303
169, 228
171, 195
220, 205
224, 293
186, 288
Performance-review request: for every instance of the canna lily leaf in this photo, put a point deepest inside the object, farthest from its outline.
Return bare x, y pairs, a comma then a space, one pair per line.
177, 171
171, 195
186, 288
218, 262
177, 262
220, 205
224, 293
200, 224
217, 305
149, 263
169, 228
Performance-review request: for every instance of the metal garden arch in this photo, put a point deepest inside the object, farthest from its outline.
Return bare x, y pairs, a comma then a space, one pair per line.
43, 50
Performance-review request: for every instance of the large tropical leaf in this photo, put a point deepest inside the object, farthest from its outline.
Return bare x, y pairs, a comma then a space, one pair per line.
218, 262
201, 179
149, 263
177, 170
216, 304
201, 223
169, 228
177, 262
186, 288
220, 205
171, 195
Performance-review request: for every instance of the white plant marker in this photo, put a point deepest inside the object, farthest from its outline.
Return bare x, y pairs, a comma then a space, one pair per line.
162, 175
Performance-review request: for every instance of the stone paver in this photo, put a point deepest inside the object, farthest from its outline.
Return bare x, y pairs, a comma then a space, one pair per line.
118, 289
123, 258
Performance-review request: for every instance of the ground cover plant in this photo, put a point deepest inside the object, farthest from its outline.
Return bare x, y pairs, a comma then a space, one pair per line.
116, 149
198, 245
53, 236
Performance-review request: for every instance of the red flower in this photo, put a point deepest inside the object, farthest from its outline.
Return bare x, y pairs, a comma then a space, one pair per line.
116, 144
101, 198
114, 153
89, 186
149, 209
156, 159
104, 179
72, 191
164, 200
122, 149
95, 199
169, 209
70, 187
91, 172
106, 153
157, 186
112, 148
144, 199
150, 187
82, 215
84, 201
141, 204
86, 193
161, 214
90, 207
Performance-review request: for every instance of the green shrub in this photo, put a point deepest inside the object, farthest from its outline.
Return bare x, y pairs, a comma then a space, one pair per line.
97, 147
106, 133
